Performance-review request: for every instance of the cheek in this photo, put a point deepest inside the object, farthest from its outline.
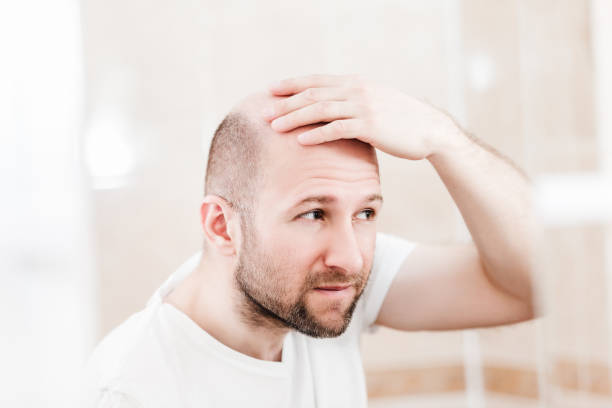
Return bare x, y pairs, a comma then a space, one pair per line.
305, 245
297, 245
292, 263
369, 246
298, 248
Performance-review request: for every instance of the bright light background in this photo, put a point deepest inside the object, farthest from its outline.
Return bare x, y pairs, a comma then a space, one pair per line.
62, 153
47, 318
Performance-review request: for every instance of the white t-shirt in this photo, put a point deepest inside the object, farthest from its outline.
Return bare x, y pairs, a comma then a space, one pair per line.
159, 357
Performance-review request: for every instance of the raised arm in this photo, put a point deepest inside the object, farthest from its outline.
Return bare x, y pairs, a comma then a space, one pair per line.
483, 283
486, 282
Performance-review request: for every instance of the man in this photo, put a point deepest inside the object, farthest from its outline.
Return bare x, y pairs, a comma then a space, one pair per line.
292, 270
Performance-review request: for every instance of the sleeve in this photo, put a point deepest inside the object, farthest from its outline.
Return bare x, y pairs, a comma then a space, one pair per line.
390, 253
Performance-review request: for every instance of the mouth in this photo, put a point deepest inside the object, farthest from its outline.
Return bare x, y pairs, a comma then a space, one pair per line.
335, 291
333, 288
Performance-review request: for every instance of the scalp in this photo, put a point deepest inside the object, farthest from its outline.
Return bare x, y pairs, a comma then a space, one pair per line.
245, 148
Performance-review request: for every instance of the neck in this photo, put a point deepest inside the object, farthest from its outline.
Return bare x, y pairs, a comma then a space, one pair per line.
210, 297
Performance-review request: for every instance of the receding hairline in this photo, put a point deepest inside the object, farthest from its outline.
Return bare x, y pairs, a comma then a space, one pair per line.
233, 141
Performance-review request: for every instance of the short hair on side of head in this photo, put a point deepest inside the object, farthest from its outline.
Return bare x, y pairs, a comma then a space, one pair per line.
233, 168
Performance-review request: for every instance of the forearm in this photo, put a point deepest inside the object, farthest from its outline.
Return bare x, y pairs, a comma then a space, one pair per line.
493, 197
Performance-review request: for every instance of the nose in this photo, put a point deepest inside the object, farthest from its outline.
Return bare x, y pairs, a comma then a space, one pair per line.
343, 251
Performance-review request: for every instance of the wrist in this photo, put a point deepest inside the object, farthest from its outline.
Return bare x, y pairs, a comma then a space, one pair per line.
450, 140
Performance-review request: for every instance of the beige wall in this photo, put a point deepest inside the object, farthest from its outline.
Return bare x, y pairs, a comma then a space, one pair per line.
517, 74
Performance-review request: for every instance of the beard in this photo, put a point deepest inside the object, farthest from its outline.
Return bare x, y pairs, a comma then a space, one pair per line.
263, 287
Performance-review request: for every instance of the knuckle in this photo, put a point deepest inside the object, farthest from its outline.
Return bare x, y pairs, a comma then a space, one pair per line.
370, 123
340, 126
310, 95
366, 108
325, 108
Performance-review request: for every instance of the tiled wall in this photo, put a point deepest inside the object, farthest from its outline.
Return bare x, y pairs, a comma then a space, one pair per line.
517, 74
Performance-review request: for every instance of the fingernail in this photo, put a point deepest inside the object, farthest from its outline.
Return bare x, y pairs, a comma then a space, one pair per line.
276, 124
303, 138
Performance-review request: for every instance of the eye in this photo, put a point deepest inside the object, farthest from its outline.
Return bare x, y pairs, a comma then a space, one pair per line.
370, 213
316, 214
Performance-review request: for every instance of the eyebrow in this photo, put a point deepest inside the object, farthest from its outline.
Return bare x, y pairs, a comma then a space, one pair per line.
328, 199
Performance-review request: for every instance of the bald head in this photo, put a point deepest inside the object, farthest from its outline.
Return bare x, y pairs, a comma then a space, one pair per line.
245, 149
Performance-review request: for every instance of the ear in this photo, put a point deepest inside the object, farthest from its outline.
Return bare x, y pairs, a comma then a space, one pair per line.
221, 225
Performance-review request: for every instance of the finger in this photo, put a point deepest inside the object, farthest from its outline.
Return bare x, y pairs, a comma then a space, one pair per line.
325, 111
307, 97
338, 129
295, 85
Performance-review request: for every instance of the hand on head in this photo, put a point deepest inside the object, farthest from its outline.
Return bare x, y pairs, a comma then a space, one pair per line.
353, 107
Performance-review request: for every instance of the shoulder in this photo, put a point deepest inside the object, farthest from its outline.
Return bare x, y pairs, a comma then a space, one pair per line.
127, 361
391, 248
390, 253
122, 344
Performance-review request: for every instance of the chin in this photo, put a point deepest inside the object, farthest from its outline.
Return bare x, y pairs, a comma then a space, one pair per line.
333, 331
334, 327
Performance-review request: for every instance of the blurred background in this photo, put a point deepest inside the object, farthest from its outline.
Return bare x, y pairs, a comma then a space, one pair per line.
107, 109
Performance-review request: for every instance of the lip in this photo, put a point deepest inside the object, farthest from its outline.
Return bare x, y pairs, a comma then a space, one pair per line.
333, 287
334, 291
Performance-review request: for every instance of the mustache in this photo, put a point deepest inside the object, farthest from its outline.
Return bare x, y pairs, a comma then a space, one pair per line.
334, 277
